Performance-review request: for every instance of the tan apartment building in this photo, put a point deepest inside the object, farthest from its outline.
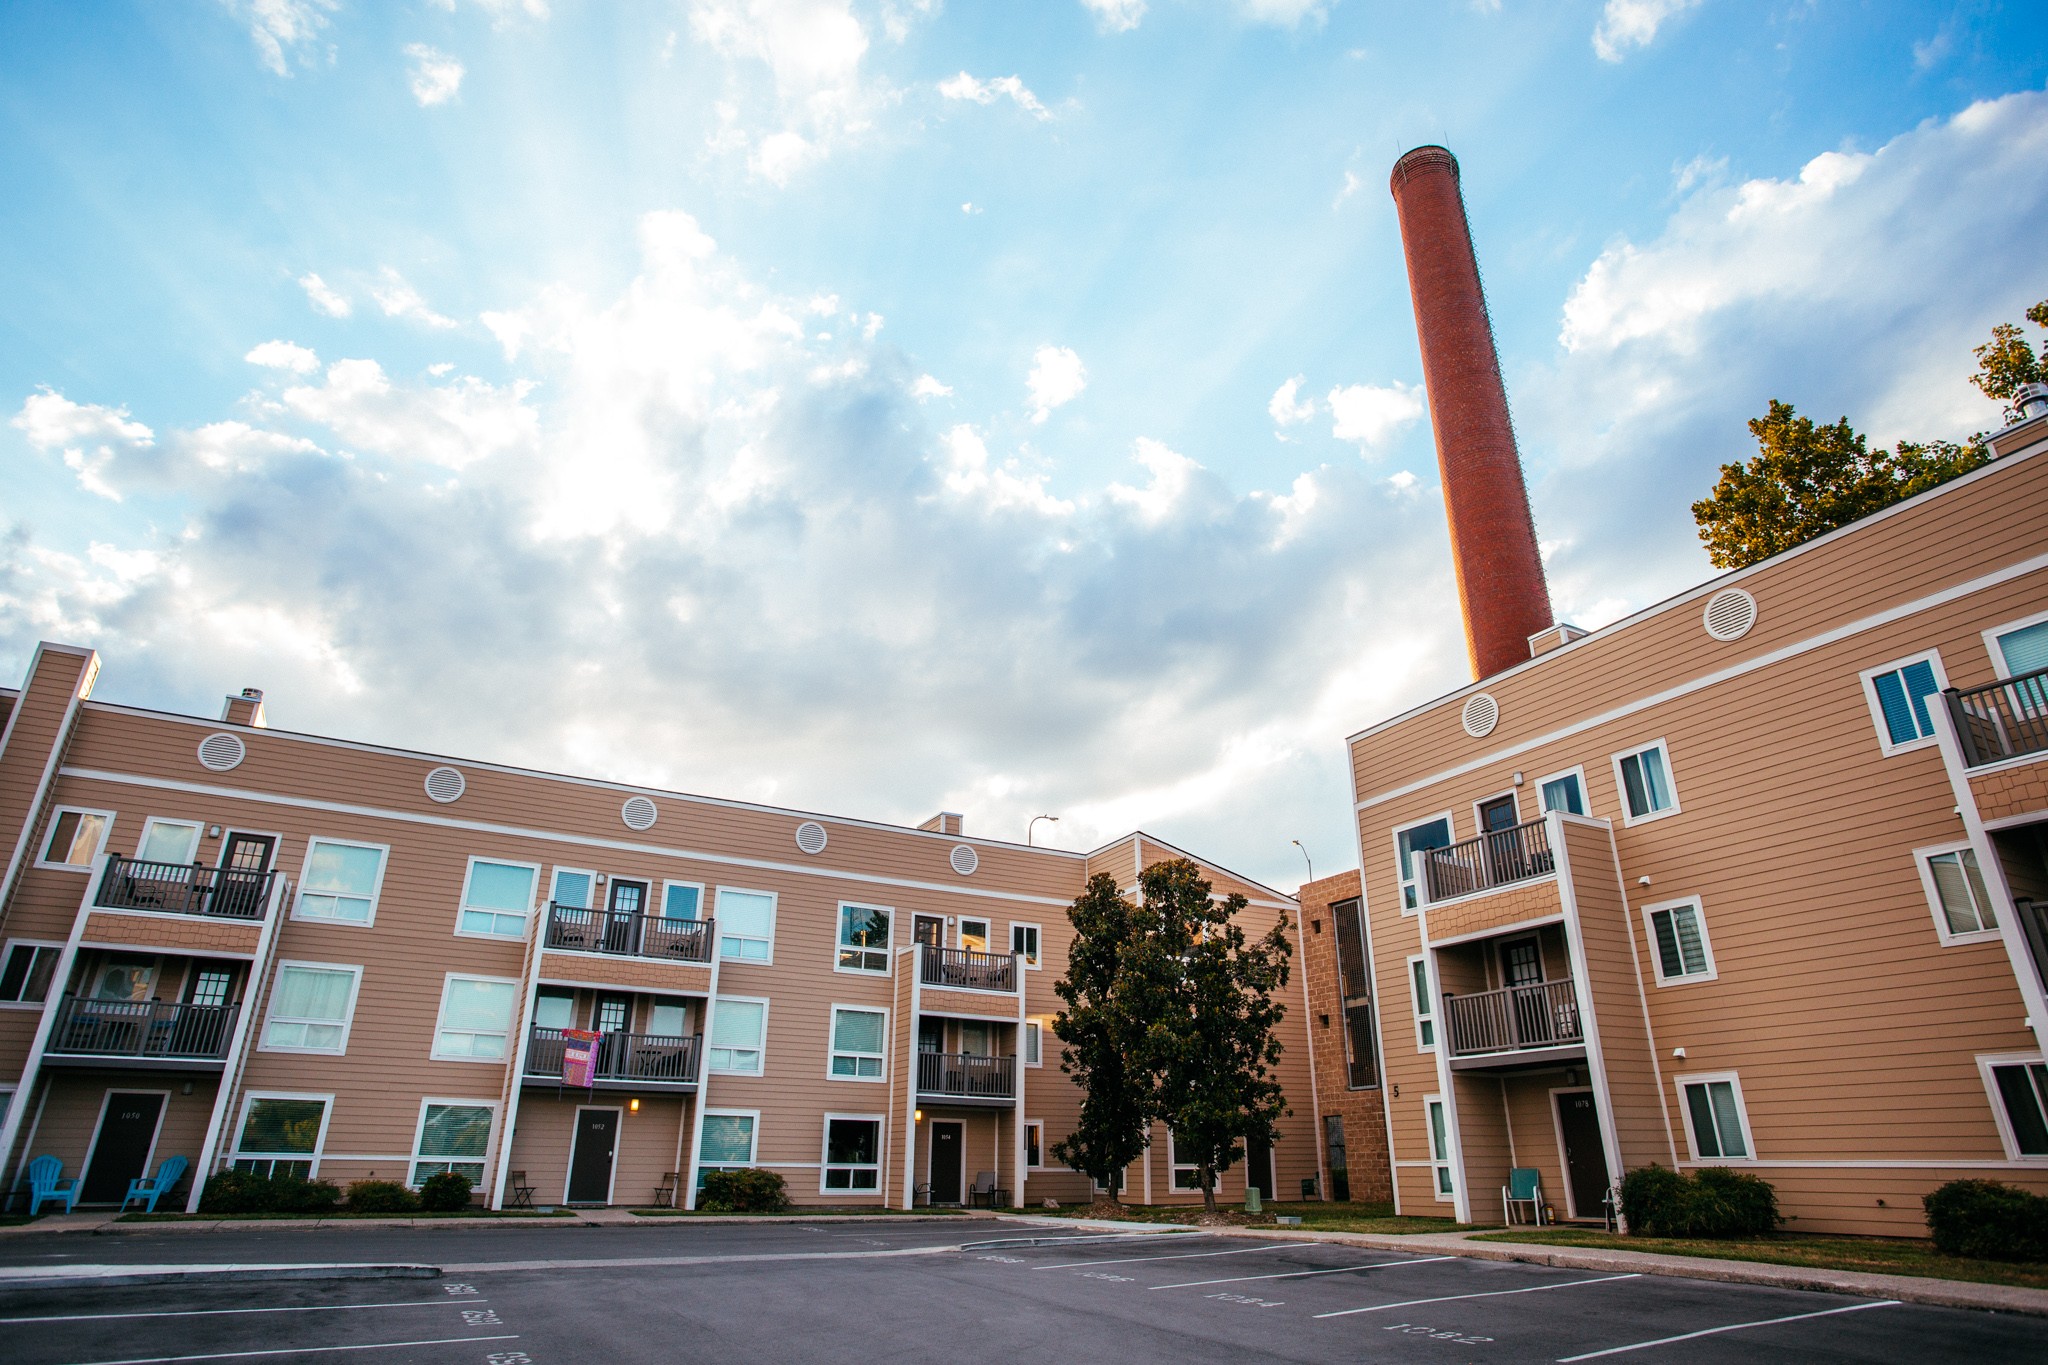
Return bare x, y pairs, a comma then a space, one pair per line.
280, 951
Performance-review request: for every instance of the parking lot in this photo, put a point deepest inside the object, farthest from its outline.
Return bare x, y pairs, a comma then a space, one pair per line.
873, 1291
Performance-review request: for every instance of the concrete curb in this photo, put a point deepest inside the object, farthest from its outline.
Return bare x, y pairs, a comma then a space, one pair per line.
113, 1276
111, 1227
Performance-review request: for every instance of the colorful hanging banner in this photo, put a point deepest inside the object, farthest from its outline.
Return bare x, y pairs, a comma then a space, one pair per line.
579, 1056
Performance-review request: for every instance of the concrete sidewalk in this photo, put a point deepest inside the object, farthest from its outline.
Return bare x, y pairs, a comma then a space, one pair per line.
110, 1223
111, 1276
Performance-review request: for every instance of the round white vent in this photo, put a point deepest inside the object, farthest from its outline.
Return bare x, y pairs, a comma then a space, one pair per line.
445, 785
964, 860
1482, 713
638, 813
810, 837
221, 752
1730, 613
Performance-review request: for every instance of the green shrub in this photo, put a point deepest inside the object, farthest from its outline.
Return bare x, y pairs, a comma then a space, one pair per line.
1713, 1202
1987, 1220
743, 1191
1647, 1191
247, 1192
447, 1192
381, 1196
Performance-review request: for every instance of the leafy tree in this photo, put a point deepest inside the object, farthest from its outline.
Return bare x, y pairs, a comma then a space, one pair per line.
1102, 1033
2006, 361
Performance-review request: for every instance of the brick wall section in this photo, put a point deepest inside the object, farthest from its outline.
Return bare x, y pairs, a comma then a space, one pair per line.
2012, 791
1363, 1111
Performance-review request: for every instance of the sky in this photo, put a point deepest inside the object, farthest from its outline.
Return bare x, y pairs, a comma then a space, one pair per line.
885, 406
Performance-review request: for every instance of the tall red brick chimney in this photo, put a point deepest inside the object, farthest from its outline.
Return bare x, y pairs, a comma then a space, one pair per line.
1493, 539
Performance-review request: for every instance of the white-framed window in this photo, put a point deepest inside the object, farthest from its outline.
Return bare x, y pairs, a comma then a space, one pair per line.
864, 938
1643, 776
1186, 1175
75, 838
1955, 889
853, 1154
1034, 1043
728, 1141
26, 968
1437, 1117
1409, 845
859, 1039
210, 986
1034, 1144
1425, 1003
973, 935
573, 887
311, 1005
282, 1133
475, 1022
1678, 941
2018, 1087
1024, 939
496, 898
682, 900
168, 841
1565, 791
341, 881
453, 1135
2019, 646
120, 976
1898, 694
1716, 1124
739, 1035
6, 1101
746, 925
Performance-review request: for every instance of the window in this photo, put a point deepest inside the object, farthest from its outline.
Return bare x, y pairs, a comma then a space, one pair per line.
572, 888
738, 1028
452, 1137
281, 1134
496, 898
2019, 1101
863, 938
121, 978
210, 986
340, 882
858, 1038
75, 838
1186, 1175
1425, 1003
1566, 792
1644, 776
1034, 1043
1955, 889
554, 1008
727, 1142
668, 1017
475, 1019
1412, 841
746, 925
853, 1153
682, 900
1034, 1144
1439, 1120
1024, 939
2021, 647
1715, 1124
1678, 935
26, 971
974, 935
311, 1004
1354, 978
168, 841
1898, 695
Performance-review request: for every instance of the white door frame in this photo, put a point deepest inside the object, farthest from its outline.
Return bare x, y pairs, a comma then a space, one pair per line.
931, 1168
618, 1137
148, 1157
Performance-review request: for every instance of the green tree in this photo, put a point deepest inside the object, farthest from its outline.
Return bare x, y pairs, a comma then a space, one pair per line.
2006, 361
1102, 1033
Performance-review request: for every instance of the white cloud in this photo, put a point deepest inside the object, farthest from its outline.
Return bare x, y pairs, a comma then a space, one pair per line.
400, 300
282, 29
928, 387
971, 476
1287, 407
1626, 24
435, 76
502, 11
1285, 13
970, 208
966, 87
324, 298
811, 51
1057, 377
101, 445
1352, 185
1116, 16
453, 425
284, 355
1371, 416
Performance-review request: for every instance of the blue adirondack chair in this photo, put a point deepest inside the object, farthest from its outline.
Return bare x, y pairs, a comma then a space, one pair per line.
149, 1189
46, 1183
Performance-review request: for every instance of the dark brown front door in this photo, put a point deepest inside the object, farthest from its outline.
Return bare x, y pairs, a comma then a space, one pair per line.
929, 930
244, 858
590, 1161
121, 1152
1258, 1166
946, 1164
1521, 964
627, 903
1585, 1159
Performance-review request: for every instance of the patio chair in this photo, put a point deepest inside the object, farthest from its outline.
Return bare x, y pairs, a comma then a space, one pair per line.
522, 1193
665, 1192
984, 1192
45, 1183
149, 1189
1525, 1186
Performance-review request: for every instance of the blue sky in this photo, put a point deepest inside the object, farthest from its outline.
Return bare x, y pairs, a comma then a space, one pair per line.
881, 406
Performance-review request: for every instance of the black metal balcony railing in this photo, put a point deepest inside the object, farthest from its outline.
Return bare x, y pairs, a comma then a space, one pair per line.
1514, 1018
142, 1029
184, 889
1498, 858
2002, 720
644, 1058
964, 969
967, 1077
629, 934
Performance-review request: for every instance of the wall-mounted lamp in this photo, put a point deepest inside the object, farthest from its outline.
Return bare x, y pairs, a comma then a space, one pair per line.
187, 1089
633, 1105
1642, 881
1571, 1077
600, 879
1518, 779
213, 831
1678, 1052
917, 1116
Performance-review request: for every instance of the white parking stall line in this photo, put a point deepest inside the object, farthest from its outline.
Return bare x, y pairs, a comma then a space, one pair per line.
228, 1312
1183, 1256
1489, 1294
1731, 1327
299, 1351
1297, 1274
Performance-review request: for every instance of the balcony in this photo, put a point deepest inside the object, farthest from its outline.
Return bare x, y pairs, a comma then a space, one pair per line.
646, 1061
184, 889
142, 1032
960, 969
1517, 1025
572, 929
961, 1078
2003, 720
1495, 859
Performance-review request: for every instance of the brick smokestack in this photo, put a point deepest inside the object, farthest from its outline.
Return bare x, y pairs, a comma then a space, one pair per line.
1493, 539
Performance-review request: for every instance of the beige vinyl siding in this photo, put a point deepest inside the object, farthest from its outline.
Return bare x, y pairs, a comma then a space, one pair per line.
72, 1103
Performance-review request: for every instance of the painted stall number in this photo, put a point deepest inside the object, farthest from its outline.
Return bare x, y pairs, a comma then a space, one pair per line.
459, 1288
1103, 1275
482, 1317
1436, 1334
1006, 1260
1245, 1299
508, 1358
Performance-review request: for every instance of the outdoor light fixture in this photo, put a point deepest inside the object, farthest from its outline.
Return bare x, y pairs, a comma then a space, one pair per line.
917, 1116
1034, 825
633, 1105
213, 832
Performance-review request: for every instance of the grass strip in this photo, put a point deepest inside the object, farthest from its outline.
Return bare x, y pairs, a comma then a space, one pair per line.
1869, 1255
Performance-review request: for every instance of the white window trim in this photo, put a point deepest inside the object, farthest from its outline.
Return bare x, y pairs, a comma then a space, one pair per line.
881, 1122
1416, 1002
463, 906
419, 1130
1038, 1024
1577, 770
7, 950
1621, 783
1514, 799
1038, 933
235, 1152
1401, 884
762, 1046
1692, 1144
1039, 1164
1948, 937
1997, 1101
988, 931
300, 892
1699, 913
1867, 681
434, 1052
698, 887
1174, 1166
774, 914
888, 949
1991, 645
49, 829
555, 883
832, 1047
1445, 1164
198, 828
753, 1141
348, 1019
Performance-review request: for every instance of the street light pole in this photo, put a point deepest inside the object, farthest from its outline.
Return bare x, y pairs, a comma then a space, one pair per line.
1305, 858
1034, 825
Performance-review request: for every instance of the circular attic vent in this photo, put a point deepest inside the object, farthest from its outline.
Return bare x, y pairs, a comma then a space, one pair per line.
1482, 713
221, 752
445, 785
1730, 613
964, 860
810, 837
638, 813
